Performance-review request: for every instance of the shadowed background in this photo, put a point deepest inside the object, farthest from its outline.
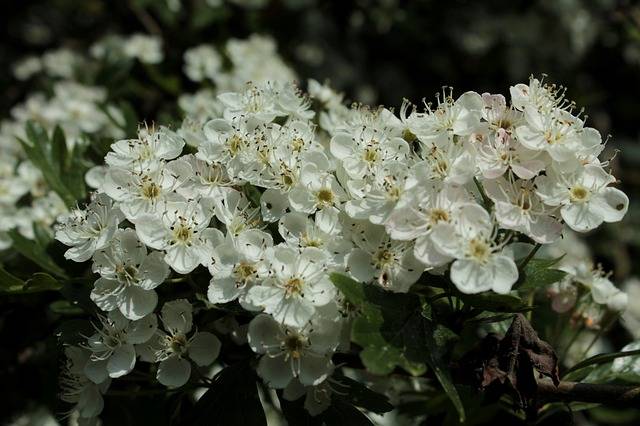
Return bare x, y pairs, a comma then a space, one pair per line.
375, 52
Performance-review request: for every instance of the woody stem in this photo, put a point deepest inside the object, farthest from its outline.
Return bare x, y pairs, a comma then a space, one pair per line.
615, 395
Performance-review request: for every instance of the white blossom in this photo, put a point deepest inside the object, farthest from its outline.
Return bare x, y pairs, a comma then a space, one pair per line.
584, 196
89, 229
129, 276
298, 285
480, 263
113, 351
176, 346
289, 353
180, 231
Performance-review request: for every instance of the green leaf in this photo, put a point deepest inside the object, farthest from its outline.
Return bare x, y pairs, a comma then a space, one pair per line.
42, 236
42, 282
601, 359
9, 283
38, 150
38, 282
252, 193
232, 400
356, 393
539, 274
339, 413
64, 307
393, 331
34, 252
389, 328
62, 170
74, 172
438, 339
494, 302
59, 154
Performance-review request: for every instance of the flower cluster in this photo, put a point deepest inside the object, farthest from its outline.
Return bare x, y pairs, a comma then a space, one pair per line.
26, 199
274, 197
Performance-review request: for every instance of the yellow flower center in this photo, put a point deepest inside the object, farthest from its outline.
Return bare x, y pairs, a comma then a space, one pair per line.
150, 190
383, 258
293, 286
579, 194
294, 345
244, 271
235, 144
370, 155
325, 196
479, 250
182, 234
438, 215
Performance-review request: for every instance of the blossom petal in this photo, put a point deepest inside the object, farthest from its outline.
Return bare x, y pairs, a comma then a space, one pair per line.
174, 372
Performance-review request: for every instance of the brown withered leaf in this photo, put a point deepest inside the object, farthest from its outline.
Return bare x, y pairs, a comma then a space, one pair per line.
510, 364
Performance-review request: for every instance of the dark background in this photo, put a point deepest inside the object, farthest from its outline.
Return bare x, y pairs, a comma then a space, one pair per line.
373, 51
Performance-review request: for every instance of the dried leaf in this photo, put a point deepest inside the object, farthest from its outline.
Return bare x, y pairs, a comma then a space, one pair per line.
510, 364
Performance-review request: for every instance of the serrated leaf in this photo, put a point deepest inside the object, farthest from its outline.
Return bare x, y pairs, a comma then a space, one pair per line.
393, 331
37, 254
494, 302
538, 273
359, 395
389, 327
48, 159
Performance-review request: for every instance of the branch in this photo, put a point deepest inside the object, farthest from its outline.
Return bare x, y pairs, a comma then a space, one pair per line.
615, 395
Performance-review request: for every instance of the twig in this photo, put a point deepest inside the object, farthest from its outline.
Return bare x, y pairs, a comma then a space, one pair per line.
532, 253
485, 199
614, 395
145, 19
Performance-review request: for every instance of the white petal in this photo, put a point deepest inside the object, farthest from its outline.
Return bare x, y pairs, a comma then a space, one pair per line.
275, 371
504, 273
360, 265
264, 333
341, 145
137, 302
122, 361
177, 315
183, 259
204, 348
96, 371
426, 252
153, 270
223, 290
174, 372
611, 204
302, 200
470, 277
580, 217
142, 330
152, 232
105, 294
273, 204
314, 370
